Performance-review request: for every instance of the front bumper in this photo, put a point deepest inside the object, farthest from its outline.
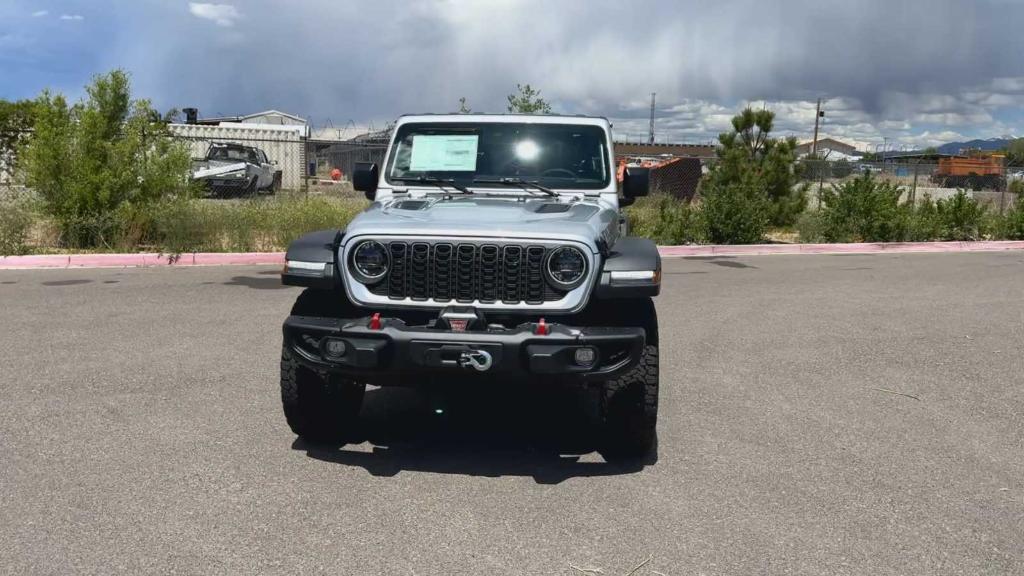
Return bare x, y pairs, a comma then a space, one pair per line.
226, 183
394, 349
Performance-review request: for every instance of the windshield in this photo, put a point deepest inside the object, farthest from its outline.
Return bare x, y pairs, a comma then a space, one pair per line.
231, 153
482, 154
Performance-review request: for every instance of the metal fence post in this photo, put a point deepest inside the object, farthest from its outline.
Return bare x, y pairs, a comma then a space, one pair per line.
913, 187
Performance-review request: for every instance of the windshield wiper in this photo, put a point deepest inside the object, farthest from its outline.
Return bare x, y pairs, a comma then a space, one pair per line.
526, 184
439, 182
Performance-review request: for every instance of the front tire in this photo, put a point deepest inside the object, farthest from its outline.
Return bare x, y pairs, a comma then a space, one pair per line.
629, 405
318, 407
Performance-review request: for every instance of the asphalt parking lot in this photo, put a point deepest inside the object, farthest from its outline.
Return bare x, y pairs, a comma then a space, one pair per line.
857, 414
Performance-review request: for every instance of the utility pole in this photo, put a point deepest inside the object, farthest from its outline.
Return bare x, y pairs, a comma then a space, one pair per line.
650, 130
818, 114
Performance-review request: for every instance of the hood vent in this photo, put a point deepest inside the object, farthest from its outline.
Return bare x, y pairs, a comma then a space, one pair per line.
553, 208
411, 204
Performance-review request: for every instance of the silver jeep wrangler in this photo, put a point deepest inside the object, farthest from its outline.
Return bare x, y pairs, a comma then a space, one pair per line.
493, 250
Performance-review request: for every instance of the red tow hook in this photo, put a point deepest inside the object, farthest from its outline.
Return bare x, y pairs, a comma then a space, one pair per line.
375, 321
542, 328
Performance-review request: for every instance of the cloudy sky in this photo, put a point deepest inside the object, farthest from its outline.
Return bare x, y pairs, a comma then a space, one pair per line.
915, 72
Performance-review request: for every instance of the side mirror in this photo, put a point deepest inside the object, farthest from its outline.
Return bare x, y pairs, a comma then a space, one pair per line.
636, 182
364, 178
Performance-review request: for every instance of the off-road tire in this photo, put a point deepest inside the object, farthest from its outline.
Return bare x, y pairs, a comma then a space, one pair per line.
629, 405
319, 407
253, 188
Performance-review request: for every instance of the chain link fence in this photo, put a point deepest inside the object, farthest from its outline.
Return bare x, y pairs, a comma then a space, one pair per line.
335, 162
992, 183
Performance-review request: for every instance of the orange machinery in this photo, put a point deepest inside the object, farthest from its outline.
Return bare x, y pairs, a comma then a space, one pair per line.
979, 165
975, 172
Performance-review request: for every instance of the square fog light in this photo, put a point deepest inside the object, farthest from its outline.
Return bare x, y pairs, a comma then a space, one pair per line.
334, 348
585, 357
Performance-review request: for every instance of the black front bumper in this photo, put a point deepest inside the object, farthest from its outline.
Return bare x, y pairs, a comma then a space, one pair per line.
394, 349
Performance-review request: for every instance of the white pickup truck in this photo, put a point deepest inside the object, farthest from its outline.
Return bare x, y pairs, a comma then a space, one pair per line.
230, 169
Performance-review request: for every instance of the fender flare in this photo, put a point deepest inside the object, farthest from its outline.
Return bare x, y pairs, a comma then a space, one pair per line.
306, 252
630, 254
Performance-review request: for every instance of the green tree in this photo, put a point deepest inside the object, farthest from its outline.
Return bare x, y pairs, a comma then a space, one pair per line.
16, 119
526, 100
94, 161
1015, 153
749, 154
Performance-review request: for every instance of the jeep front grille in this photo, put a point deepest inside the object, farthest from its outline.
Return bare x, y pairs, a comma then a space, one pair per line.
467, 273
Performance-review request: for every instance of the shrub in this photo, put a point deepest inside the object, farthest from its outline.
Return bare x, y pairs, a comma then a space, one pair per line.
810, 227
88, 160
16, 217
863, 210
923, 222
961, 217
666, 220
841, 168
735, 213
1010, 225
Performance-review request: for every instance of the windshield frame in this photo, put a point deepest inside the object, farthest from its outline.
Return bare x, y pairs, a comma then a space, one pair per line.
466, 178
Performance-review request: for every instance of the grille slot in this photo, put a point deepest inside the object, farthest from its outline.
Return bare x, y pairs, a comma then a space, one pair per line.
418, 281
488, 265
465, 277
397, 274
467, 273
512, 265
443, 266
534, 276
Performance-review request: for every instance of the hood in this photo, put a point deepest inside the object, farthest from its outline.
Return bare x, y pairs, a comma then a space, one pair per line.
217, 167
581, 220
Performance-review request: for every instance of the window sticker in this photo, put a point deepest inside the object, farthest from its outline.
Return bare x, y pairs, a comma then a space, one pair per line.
450, 153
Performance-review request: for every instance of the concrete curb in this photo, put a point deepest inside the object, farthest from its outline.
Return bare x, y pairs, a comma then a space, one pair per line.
144, 260
148, 260
854, 248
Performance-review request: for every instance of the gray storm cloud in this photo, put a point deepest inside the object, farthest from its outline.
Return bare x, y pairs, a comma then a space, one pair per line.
375, 60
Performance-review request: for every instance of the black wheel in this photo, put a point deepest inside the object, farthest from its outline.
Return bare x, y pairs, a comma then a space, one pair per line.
319, 407
253, 187
629, 405
275, 186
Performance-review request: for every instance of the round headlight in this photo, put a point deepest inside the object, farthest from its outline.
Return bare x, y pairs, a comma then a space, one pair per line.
566, 267
370, 261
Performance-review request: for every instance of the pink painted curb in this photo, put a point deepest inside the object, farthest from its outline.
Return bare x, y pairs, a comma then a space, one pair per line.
147, 260
858, 248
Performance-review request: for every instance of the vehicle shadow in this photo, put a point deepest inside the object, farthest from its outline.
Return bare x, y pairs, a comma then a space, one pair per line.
549, 435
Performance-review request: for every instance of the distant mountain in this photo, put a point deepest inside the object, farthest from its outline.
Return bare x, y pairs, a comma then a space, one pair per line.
987, 145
